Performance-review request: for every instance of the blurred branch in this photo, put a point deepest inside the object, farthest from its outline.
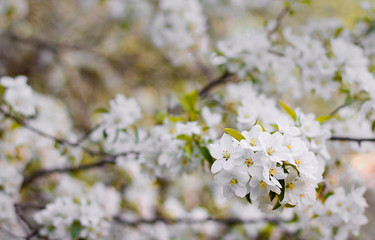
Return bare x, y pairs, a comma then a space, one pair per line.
60, 140
226, 221
49, 45
349, 139
280, 17
107, 158
46, 172
220, 80
202, 67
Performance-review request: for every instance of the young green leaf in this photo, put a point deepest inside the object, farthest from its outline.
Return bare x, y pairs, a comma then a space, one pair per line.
288, 110
206, 154
234, 133
323, 119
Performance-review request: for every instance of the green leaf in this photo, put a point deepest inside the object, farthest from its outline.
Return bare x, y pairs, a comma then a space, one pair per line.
189, 103
175, 119
234, 133
206, 154
188, 149
338, 32
282, 193
348, 101
272, 195
258, 121
75, 229
288, 110
275, 126
248, 198
277, 205
327, 195
102, 110
184, 137
308, 2
323, 119
373, 126
288, 205
15, 125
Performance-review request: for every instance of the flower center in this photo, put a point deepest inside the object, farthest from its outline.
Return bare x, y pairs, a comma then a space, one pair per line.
249, 162
226, 155
289, 146
233, 181
298, 162
290, 185
272, 171
263, 185
270, 151
253, 142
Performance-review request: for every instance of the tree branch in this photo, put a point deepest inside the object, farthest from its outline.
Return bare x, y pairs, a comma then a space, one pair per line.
225, 221
220, 80
46, 172
349, 139
279, 19
60, 140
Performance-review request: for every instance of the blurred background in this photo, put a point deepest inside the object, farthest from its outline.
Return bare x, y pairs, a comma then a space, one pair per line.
83, 52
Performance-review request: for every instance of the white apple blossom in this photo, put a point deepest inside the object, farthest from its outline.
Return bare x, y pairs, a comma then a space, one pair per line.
19, 95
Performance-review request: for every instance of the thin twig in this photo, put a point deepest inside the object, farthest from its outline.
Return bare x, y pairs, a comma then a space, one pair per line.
88, 133
226, 221
220, 80
337, 109
49, 136
280, 17
349, 139
46, 172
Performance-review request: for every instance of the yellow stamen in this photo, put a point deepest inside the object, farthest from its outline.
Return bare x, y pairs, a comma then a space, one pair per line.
249, 162
263, 185
226, 155
298, 162
290, 185
233, 181
270, 151
289, 146
253, 141
272, 171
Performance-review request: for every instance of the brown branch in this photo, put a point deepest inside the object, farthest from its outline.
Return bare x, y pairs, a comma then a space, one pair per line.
225, 221
349, 139
220, 80
59, 140
280, 17
46, 172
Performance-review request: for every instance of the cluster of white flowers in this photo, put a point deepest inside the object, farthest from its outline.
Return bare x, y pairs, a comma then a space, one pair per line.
123, 113
341, 213
78, 211
19, 95
180, 25
68, 218
265, 164
310, 62
164, 154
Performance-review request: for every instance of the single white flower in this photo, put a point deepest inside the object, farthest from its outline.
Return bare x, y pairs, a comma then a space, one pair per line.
224, 153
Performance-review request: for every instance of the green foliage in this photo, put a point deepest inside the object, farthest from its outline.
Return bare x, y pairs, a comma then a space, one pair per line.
189, 102
288, 110
323, 119
234, 133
